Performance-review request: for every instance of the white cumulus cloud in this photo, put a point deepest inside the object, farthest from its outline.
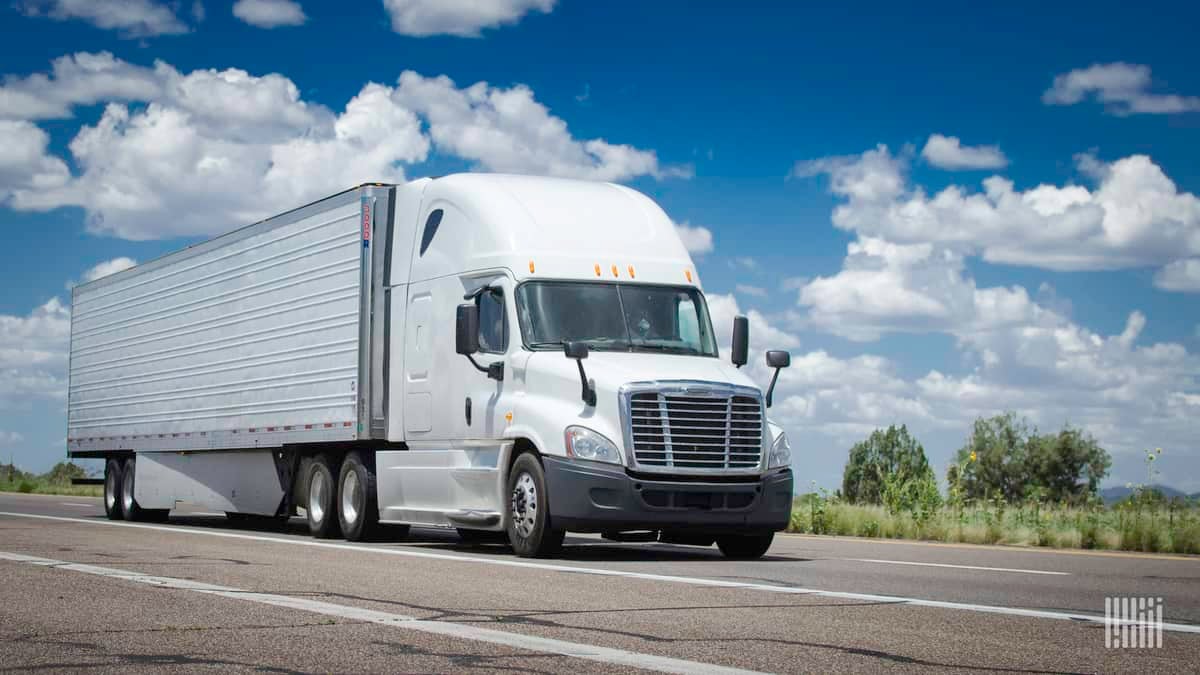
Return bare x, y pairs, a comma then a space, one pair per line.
948, 152
696, 239
33, 353
133, 18
509, 130
1133, 216
1181, 275
201, 152
108, 267
462, 18
269, 13
1124, 89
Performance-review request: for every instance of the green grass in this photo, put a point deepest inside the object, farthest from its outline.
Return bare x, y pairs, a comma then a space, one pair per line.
1159, 528
40, 486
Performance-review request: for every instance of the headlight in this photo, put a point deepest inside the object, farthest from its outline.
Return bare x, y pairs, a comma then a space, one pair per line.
781, 452
583, 443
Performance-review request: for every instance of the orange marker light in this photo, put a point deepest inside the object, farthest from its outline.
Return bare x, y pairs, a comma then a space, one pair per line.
508, 417
597, 269
531, 267
688, 274
615, 271
631, 274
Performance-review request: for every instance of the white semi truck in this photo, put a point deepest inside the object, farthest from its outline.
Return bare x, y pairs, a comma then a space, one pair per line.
493, 353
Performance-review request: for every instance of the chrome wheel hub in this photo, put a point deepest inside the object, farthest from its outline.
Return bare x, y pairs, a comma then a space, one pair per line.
110, 490
524, 504
351, 493
317, 492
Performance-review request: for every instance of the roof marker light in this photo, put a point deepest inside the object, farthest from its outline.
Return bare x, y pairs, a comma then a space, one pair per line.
614, 269
688, 274
631, 274
597, 269
531, 267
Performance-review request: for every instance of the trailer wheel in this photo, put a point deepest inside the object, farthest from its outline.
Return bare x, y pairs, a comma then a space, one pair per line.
129, 506
745, 546
112, 490
322, 498
529, 529
358, 506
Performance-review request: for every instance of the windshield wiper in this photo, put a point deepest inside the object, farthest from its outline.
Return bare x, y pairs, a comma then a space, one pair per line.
679, 349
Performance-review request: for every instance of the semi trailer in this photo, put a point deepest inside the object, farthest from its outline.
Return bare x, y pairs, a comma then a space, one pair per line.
505, 355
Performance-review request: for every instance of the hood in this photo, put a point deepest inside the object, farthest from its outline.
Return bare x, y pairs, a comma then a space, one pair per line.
610, 370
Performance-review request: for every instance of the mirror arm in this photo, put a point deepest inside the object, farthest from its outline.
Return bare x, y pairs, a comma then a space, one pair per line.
494, 371
771, 389
589, 392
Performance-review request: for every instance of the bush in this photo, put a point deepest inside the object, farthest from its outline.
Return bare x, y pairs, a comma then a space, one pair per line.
1134, 528
25, 487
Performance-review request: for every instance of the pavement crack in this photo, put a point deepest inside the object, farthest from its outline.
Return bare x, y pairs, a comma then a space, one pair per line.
51, 638
473, 661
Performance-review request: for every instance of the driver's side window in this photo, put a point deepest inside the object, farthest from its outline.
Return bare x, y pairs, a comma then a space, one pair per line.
493, 322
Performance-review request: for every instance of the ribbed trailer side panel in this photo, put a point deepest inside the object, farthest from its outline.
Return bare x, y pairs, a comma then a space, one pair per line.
248, 340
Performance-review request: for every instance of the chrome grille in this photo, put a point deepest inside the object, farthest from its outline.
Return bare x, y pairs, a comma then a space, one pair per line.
694, 430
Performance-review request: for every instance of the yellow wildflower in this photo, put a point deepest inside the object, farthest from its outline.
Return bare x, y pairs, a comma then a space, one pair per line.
974, 456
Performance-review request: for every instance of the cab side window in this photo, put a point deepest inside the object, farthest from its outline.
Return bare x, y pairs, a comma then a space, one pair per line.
493, 322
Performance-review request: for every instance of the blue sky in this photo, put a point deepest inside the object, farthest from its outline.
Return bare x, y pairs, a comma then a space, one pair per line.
841, 173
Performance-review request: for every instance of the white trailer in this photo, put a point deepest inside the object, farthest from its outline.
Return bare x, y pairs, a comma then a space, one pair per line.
486, 352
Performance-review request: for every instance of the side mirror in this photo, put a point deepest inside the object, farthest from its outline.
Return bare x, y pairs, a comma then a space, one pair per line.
778, 360
578, 351
741, 341
466, 329
575, 350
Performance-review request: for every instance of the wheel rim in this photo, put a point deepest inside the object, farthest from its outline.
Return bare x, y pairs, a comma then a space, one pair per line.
127, 490
524, 504
316, 496
110, 490
350, 497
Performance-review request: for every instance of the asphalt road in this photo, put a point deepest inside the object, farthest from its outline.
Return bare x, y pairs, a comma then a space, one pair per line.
79, 592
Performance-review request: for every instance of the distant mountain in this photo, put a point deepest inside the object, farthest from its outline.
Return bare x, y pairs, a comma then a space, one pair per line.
1116, 493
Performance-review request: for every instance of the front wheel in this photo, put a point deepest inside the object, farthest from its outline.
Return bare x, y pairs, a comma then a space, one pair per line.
745, 546
529, 527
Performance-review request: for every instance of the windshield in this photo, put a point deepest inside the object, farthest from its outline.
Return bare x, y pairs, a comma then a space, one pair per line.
617, 317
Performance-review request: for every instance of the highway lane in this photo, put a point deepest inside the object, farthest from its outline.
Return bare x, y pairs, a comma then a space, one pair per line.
663, 607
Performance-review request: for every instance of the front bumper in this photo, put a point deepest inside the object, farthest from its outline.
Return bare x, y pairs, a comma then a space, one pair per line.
592, 497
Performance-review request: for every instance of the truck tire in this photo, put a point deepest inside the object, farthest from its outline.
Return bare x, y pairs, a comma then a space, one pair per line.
112, 490
321, 490
129, 506
745, 546
357, 504
529, 528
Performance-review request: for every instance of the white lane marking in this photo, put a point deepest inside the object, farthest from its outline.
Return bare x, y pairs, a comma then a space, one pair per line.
85, 506
456, 630
694, 581
959, 567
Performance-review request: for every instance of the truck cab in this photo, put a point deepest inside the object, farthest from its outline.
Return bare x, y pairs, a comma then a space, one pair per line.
560, 372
